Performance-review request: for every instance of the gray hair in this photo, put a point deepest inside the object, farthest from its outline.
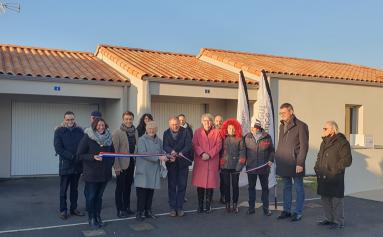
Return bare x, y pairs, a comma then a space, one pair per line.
333, 125
151, 124
207, 115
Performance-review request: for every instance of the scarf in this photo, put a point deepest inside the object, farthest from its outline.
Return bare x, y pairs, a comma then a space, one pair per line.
131, 132
102, 139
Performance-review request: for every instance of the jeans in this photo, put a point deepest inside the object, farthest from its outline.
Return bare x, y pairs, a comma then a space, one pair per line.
177, 182
66, 181
287, 194
93, 194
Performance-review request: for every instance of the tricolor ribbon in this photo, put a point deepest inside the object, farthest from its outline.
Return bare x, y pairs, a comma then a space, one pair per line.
129, 155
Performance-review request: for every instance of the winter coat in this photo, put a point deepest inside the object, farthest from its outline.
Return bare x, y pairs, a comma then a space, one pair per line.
182, 143
94, 170
230, 153
333, 157
292, 148
65, 143
148, 169
256, 153
121, 145
206, 172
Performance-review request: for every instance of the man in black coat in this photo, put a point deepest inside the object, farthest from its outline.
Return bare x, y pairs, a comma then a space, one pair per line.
177, 142
66, 139
333, 157
290, 157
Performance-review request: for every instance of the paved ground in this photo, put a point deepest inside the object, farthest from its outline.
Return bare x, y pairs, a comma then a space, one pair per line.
28, 207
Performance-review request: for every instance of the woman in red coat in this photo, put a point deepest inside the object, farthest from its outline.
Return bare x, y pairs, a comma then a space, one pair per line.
207, 143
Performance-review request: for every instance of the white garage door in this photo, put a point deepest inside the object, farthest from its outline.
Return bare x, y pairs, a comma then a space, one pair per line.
162, 111
33, 126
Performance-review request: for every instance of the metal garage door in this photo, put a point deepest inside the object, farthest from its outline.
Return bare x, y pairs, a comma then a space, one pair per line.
33, 127
162, 111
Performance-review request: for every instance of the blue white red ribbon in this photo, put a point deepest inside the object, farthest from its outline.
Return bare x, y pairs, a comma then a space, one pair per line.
129, 155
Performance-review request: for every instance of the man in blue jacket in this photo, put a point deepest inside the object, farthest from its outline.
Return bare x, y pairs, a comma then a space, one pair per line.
177, 142
66, 139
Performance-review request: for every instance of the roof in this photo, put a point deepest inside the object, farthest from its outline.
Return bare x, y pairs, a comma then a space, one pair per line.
55, 63
143, 63
255, 63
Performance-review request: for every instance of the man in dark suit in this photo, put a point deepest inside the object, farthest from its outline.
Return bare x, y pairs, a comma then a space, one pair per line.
177, 142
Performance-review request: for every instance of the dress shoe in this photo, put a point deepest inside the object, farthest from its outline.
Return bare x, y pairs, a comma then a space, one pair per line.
173, 213
99, 220
284, 215
235, 208
250, 211
93, 224
228, 208
140, 216
76, 212
335, 226
121, 214
149, 214
324, 222
267, 212
63, 215
296, 217
180, 213
129, 212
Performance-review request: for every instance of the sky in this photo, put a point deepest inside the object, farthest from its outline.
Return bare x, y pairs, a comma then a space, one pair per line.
349, 31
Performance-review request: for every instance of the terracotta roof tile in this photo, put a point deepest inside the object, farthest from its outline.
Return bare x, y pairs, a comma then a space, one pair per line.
173, 66
255, 63
55, 63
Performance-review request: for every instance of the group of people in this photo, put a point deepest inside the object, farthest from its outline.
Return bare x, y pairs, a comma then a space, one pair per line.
218, 151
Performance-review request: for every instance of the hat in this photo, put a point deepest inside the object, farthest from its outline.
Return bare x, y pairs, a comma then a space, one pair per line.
258, 124
96, 114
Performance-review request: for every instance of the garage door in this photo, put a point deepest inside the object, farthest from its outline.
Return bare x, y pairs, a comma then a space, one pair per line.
162, 111
33, 126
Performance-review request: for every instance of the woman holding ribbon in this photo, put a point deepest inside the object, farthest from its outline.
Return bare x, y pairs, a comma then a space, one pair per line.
232, 135
258, 156
97, 170
207, 144
149, 170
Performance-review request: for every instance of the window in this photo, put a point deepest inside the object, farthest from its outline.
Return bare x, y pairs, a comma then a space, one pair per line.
354, 120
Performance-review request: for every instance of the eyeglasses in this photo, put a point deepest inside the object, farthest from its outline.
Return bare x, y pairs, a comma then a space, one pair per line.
69, 119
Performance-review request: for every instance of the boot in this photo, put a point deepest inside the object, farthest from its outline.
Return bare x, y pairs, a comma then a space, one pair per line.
235, 208
201, 194
99, 220
209, 198
93, 224
228, 209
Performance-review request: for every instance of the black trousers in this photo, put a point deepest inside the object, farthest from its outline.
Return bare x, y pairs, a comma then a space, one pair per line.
144, 199
230, 176
177, 182
93, 194
71, 181
221, 186
124, 183
264, 180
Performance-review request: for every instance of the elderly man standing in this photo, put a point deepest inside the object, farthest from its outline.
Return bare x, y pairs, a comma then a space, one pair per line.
290, 159
177, 142
333, 157
218, 121
66, 140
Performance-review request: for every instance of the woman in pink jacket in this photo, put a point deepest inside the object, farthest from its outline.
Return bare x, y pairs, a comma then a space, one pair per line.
207, 144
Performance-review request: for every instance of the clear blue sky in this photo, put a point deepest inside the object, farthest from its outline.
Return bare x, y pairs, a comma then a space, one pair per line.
335, 30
